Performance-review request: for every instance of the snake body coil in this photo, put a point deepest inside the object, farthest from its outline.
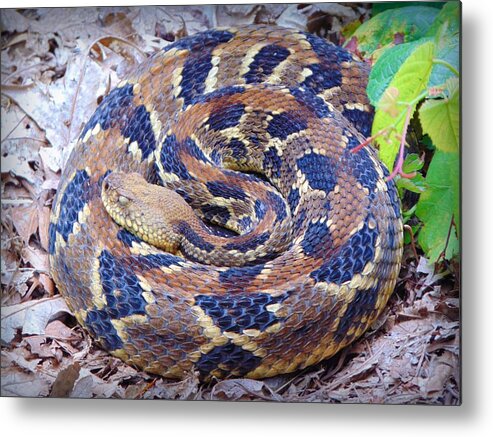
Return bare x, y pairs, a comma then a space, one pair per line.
300, 239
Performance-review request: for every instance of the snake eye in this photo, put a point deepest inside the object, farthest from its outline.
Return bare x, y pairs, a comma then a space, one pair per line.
123, 200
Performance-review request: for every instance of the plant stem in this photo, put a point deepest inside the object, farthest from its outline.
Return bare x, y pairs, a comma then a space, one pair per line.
400, 160
393, 125
369, 140
446, 64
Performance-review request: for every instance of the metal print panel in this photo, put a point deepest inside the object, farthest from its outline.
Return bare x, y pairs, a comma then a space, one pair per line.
232, 202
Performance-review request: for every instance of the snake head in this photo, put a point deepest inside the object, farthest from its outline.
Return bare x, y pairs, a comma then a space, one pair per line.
148, 211
123, 191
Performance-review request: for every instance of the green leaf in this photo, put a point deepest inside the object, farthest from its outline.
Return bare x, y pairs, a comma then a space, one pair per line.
440, 118
438, 205
412, 163
449, 13
389, 59
386, 68
411, 80
416, 184
392, 26
445, 29
376, 8
447, 52
348, 30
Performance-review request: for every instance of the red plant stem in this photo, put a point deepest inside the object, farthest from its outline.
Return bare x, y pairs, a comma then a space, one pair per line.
368, 140
400, 161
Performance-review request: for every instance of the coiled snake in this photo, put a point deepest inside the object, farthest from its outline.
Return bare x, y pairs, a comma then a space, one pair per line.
281, 244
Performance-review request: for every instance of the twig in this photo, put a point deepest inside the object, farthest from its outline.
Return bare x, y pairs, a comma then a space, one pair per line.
22, 70
30, 139
36, 282
34, 303
443, 252
15, 127
16, 87
413, 246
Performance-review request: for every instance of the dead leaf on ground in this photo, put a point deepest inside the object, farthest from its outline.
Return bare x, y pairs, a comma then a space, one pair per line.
243, 389
440, 370
31, 317
50, 106
25, 220
20, 384
231, 15
65, 380
165, 389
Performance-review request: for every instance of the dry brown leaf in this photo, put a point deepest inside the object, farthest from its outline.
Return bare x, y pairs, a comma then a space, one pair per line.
47, 283
31, 316
270, 12
17, 383
20, 376
424, 266
70, 23
13, 194
299, 16
65, 380
83, 388
43, 226
21, 141
335, 10
89, 385
440, 370
59, 330
51, 159
106, 390
17, 357
402, 368
25, 220
50, 106
17, 280
293, 17
163, 389
38, 258
17, 162
12, 21
243, 389
233, 15
174, 19
38, 346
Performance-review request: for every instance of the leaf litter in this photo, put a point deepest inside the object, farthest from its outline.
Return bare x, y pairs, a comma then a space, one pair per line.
57, 64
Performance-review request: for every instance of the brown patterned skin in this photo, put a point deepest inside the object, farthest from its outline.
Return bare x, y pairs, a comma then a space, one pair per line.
162, 218
299, 241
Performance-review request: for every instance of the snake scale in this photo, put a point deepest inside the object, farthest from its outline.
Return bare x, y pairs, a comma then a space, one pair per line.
283, 244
